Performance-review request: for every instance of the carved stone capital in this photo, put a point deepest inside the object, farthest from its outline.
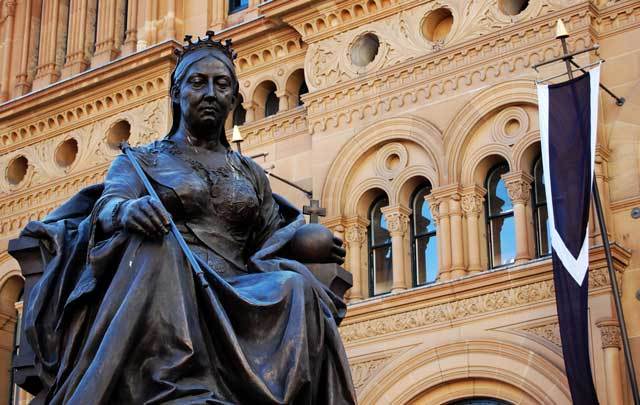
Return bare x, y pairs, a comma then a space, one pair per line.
519, 186
397, 219
610, 333
433, 207
472, 204
355, 234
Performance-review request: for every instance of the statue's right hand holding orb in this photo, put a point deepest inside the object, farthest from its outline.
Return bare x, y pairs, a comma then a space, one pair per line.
144, 215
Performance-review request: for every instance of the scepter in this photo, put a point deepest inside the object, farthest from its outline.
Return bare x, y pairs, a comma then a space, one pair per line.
197, 270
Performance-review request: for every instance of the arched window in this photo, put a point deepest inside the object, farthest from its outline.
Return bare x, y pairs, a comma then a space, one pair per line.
239, 113
501, 233
540, 214
479, 401
380, 259
237, 5
272, 104
423, 239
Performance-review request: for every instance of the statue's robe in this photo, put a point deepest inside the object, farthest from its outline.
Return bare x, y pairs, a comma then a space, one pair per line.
121, 318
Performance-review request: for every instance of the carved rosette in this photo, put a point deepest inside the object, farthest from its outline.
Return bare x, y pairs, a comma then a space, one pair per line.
610, 334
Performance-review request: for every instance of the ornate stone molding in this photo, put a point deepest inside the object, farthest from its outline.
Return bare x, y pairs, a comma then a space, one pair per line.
462, 309
289, 123
610, 333
472, 200
355, 234
519, 186
549, 332
364, 371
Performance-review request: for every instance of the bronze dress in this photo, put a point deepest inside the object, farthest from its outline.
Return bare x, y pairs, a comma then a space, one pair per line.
118, 319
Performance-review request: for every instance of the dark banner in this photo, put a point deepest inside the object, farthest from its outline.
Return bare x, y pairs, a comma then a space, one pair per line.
568, 126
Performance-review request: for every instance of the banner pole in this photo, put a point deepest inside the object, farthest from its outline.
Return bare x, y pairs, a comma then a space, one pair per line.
616, 294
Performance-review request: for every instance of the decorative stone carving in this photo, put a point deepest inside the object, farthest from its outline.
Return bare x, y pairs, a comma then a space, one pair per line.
366, 370
519, 188
472, 204
509, 125
610, 334
391, 159
430, 315
397, 222
549, 332
356, 234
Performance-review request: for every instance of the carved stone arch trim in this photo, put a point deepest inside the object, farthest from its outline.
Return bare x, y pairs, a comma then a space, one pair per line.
409, 173
409, 128
355, 194
249, 93
520, 148
471, 163
489, 100
421, 368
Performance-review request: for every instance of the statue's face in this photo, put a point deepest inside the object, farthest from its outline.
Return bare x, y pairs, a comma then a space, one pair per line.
206, 95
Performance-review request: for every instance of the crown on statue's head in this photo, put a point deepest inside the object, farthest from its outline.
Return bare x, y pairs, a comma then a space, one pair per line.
206, 42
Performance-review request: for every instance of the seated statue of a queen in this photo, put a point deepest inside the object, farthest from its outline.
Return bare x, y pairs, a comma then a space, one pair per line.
118, 316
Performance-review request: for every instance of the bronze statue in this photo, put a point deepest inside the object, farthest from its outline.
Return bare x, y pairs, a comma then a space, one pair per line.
118, 318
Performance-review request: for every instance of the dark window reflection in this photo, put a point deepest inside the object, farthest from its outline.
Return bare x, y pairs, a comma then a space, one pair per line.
237, 5
302, 91
500, 223
271, 105
479, 401
239, 113
541, 216
380, 255
424, 241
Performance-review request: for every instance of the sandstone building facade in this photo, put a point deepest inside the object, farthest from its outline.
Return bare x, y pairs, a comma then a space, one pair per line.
414, 122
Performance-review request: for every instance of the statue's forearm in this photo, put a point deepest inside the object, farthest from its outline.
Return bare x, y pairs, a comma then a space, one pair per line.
109, 216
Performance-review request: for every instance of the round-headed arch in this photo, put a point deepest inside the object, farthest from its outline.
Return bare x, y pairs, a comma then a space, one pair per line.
407, 128
461, 128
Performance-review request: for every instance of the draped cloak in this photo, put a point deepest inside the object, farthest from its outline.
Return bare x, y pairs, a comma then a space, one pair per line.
119, 318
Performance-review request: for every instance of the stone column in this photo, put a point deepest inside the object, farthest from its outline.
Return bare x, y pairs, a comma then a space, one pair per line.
601, 176
218, 15
519, 186
23, 86
170, 20
7, 48
444, 239
356, 237
611, 345
77, 60
250, 108
435, 213
150, 29
47, 71
283, 98
131, 34
457, 243
106, 43
472, 201
398, 223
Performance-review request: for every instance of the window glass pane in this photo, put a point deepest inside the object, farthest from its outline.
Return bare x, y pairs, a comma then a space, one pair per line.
239, 114
499, 201
272, 104
237, 4
303, 90
544, 239
503, 240
539, 183
379, 224
426, 260
423, 221
382, 270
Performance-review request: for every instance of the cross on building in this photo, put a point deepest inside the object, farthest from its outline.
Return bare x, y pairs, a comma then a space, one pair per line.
314, 211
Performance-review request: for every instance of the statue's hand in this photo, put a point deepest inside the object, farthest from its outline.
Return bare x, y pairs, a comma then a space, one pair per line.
314, 243
144, 215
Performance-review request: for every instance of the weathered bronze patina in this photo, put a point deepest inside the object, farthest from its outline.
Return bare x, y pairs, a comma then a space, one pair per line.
117, 317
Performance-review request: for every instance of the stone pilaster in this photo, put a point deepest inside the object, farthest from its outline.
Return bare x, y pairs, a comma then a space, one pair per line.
611, 344
472, 203
519, 187
398, 224
434, 207
106, 38
284, 99
6, 50
131, 34
355, 237
79, 35
23, 86
250, 108
448, 199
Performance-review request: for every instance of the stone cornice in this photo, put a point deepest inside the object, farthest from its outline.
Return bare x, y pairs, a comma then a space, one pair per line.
69, 104
469, 297
278, 127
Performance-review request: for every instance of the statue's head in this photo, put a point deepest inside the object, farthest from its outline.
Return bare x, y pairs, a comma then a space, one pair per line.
204, 86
